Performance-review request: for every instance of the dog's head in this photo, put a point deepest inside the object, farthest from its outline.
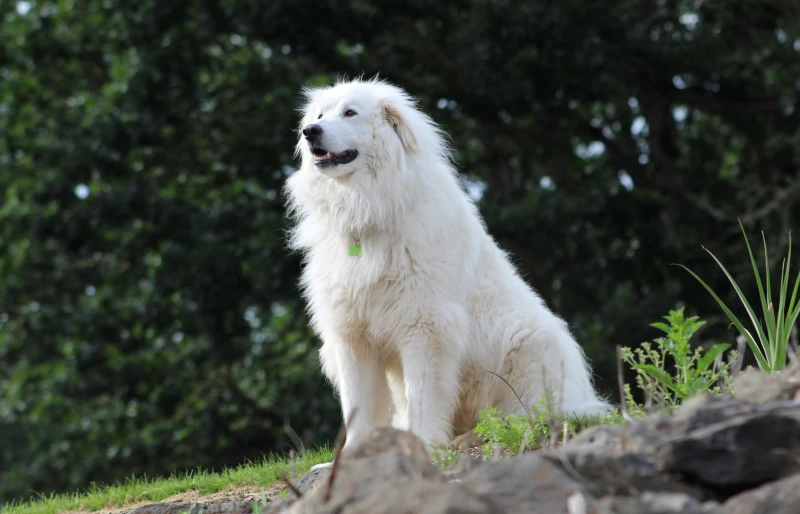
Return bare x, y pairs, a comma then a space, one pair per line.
354, 125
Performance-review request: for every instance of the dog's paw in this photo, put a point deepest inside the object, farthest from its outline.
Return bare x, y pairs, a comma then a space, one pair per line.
466, 440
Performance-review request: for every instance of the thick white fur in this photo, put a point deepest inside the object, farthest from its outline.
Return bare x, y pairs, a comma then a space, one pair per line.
412, 326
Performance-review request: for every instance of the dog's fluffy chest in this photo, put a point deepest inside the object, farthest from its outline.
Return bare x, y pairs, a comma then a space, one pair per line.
357, 292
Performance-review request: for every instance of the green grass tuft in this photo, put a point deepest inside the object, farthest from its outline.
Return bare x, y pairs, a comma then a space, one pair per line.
539, 429
771, 343
136, 490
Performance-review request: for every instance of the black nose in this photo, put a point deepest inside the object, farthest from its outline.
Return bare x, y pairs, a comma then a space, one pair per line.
312, 131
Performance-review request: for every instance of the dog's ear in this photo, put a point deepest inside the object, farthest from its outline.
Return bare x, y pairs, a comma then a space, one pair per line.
396, 121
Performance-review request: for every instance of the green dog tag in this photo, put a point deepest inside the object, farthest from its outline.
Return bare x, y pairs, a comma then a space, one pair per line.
355, 250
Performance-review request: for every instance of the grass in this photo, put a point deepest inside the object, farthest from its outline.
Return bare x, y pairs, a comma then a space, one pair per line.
508, 435
135, 490
771, 348
537, 430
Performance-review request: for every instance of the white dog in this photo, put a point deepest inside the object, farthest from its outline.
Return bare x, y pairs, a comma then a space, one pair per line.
413, 300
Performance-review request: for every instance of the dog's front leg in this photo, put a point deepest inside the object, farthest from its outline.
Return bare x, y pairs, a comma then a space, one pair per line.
430, 373
361, 384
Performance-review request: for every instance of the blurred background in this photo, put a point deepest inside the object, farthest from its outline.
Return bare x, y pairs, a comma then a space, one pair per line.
149, 315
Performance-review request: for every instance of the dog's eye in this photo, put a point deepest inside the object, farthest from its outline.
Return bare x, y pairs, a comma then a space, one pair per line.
349, 113
320, 116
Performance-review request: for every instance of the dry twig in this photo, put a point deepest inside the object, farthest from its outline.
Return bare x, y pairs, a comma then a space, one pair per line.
342, 440
298, 494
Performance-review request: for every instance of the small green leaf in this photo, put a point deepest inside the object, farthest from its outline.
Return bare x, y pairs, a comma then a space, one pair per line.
710, 356
658, 374
662, 327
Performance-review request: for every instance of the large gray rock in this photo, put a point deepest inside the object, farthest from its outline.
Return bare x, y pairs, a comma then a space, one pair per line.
780, 497
610, 472
746, 447
391, 473
164, 508
655, 503
646, 436
307, 482
465, 465
755, 387
721, 443
195, 508
606, 437
528, 484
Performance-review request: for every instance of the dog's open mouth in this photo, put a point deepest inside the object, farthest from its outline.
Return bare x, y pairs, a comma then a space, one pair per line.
325, 159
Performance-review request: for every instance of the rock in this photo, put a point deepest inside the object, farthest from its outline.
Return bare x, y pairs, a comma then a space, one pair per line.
780, 497
223, 508
389, 471
721, 443
195, 508
602, 436
645, 436
756, 387
655, 503
528, 484
307, 482
747, 447
163, 508
609, 472
462, 467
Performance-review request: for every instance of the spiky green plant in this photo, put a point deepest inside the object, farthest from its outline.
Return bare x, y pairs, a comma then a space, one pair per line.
770, 350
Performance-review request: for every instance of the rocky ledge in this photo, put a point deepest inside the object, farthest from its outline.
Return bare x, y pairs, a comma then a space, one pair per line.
731, 454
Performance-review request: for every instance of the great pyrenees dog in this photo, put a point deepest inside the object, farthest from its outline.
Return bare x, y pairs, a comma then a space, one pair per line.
419, 311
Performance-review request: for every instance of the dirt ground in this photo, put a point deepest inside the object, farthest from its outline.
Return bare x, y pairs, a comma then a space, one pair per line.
243, 494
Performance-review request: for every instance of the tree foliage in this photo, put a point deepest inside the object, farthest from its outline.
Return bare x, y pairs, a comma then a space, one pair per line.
149, 315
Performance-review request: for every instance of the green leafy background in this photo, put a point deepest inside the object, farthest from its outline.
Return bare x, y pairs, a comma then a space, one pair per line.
149, 316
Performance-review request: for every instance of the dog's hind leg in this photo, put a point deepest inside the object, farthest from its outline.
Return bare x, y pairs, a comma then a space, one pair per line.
466, 441
549, 371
